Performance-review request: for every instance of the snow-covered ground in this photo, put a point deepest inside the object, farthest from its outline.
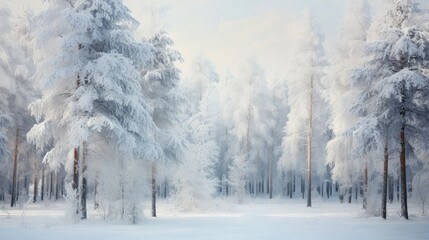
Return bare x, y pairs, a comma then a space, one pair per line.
257, 219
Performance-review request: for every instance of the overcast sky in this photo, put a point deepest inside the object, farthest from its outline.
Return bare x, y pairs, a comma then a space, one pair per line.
228, 32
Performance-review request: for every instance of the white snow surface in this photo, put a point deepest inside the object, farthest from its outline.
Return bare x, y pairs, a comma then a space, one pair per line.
256, 219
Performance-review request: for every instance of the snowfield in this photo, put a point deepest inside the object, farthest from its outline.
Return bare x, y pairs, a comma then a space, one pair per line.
257, 219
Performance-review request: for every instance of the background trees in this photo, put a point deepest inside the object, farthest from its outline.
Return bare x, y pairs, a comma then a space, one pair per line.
346, 54
252, 123
306, 120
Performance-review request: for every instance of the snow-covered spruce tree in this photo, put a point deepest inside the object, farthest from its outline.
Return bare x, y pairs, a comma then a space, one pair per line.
252, 125
91, 98
346, 54
160, 86
393, 110
194, 180
306, 125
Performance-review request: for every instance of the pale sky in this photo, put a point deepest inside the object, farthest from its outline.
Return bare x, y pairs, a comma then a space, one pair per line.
228, 32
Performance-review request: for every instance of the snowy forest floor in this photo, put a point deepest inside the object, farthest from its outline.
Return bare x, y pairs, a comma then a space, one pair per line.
257, 219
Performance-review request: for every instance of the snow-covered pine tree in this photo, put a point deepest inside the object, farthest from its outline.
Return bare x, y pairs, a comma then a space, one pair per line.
91, 99
392, 110
306, 125
346, 54
194, 179
252, 125
160, 86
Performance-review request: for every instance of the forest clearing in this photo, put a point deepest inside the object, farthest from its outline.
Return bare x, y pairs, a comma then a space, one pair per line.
257, 219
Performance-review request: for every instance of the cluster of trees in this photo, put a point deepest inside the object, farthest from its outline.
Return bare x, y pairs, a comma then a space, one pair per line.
90, 110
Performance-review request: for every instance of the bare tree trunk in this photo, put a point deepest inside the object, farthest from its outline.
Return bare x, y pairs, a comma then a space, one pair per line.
165, 187
17, 190
26, 185
83, 192
309, 140
15, 168
42, 194
385, 173
51, 185
391, 189
302, 187
365, 187
398, 187
321, 189
291, 186
404, 206
327, 189
36, 185
153, 190
270, 172
57, 186
62, 186
96, 191
122, 189
350, 195
75, 184
293, 181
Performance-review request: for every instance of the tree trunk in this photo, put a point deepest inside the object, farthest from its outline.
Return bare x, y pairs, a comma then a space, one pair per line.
385, 173
287, 188
302, 187
165, 187
356, 191
96, 192
15, 168
270, 172
294, 181
404, 206
75, 184
309, 140
17, 190
350, 195
397, 188
36, 185
327, 189
51, 186
57, 186
26, 185
153, 190
322, 189
42, 194
365, 187
83, 162
62, 186
391, 189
